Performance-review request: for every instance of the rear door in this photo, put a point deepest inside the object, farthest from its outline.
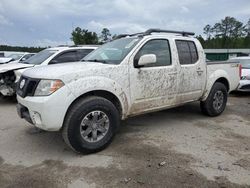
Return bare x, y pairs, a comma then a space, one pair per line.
192, 75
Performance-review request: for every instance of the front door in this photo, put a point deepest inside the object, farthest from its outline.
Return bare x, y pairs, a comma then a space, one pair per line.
155, 85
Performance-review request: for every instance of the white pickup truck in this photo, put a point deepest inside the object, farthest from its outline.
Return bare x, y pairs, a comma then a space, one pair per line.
132, 75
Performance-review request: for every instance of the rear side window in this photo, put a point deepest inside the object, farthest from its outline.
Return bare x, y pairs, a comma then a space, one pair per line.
28, 56
70, 56
187, 52
83, 52
159, 47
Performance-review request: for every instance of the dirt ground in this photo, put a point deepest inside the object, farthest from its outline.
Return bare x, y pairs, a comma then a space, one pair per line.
172, 148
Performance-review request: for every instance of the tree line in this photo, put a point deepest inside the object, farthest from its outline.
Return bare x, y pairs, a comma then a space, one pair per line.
20, 48
84, 36
227, 33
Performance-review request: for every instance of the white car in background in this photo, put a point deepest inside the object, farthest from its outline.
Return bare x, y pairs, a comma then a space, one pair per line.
10, 73
245, 72
16, 57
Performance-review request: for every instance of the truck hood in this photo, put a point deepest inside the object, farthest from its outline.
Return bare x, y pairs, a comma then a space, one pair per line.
13, 66
67, 71
5, 60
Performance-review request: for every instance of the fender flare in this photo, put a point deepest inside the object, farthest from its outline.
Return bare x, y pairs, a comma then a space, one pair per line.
216, 76
80, 87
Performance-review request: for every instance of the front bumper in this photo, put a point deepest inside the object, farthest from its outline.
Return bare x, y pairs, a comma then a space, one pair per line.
244, 85
46, 112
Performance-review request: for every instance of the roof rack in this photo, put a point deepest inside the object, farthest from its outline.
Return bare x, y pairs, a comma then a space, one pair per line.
63, 45
129, 35
183, 33
150, 31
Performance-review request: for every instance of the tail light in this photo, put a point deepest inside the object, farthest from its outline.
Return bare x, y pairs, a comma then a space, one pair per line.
240, 70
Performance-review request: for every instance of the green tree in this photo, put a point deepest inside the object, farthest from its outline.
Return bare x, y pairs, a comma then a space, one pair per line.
208, 31
105, 35
247, 28
83, 36
227, 33
229, 27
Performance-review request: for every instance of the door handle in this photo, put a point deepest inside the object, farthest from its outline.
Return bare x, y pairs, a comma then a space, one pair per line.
199, 71
172, 73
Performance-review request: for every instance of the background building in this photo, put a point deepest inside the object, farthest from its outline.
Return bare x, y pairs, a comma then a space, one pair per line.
225, 54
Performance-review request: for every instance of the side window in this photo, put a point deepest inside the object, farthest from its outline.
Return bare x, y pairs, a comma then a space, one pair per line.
159, 47
82, 53
193, 51
187, 52
25, 57
28, 56
65, 57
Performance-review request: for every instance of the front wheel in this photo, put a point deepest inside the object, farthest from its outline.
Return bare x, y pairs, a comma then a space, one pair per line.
91, 124
216, 101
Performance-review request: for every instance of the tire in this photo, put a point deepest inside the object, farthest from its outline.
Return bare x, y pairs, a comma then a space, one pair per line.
214, 105
85, 116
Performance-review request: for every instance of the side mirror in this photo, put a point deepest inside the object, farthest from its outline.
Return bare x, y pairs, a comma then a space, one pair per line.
146, 60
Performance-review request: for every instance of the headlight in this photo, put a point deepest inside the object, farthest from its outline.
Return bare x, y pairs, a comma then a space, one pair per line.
47, 87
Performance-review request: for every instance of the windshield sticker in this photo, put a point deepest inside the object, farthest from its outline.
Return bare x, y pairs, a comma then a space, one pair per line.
103, 55
129, 45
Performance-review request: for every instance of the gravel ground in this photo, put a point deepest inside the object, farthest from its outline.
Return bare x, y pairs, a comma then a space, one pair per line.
172, 148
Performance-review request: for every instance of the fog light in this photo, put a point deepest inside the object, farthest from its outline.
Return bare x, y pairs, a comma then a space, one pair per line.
36, 118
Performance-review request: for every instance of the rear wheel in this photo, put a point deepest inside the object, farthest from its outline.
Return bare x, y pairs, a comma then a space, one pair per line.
216, 101
91, 124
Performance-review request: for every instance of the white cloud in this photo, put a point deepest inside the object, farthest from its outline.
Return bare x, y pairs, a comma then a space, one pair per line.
96, 25
5, 21
52, 43
49, 22
124, 26
184, 9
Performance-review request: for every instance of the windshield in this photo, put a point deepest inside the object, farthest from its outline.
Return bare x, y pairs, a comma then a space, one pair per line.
245, 63
113, 52
15, 56
40, 57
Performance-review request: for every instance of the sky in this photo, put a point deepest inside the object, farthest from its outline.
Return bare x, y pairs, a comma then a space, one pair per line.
50, 22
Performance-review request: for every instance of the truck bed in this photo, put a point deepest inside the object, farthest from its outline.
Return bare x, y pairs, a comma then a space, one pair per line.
229, 70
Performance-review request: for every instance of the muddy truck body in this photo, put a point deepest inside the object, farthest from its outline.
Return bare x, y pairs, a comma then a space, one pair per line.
132, 75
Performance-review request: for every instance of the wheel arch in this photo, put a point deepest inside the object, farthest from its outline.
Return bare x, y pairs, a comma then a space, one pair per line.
100, 93
224, 81
211, 82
